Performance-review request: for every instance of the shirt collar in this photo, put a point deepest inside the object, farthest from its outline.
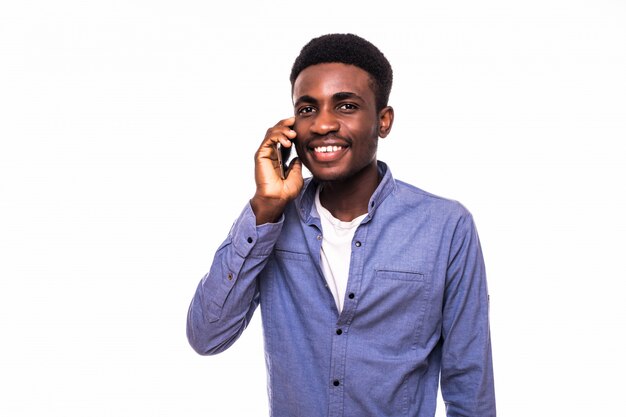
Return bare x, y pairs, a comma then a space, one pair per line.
305, 201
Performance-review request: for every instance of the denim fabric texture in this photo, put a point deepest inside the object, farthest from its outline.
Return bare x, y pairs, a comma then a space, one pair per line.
416, 309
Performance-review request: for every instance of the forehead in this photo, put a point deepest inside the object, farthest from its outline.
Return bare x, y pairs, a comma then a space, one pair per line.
325, 80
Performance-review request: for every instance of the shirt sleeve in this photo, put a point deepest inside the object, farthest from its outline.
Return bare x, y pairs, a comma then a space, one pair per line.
228, 294
466, 372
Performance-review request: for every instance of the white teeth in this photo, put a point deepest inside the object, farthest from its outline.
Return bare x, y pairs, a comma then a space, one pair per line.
324, 149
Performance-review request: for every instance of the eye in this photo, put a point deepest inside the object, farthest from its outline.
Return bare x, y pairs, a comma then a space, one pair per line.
305, 110
348, 106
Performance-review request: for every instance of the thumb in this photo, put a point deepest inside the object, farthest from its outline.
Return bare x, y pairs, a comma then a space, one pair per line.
294, 174
295, 168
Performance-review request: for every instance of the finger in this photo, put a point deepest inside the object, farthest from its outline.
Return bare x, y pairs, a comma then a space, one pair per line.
276, 135
287, 122
285, 126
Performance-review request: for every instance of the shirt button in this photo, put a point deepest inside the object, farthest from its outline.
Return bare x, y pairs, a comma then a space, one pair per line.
351, 295
336, 382
249, 240
319, 237
230, 276
357, 244
339, 331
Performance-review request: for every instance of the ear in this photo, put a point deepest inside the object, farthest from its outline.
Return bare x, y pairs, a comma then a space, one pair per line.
385, 121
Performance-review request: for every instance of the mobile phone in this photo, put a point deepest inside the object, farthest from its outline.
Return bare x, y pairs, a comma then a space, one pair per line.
283, 157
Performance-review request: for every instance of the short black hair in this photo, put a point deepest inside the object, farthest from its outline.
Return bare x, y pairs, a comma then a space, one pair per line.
348, 49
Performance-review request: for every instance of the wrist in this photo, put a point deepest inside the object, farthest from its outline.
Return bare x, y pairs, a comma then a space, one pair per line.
267, 210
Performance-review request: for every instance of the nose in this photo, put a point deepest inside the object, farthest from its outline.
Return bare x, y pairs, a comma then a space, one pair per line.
325, 122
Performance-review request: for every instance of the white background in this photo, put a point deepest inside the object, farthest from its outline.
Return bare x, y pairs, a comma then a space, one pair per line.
127, 137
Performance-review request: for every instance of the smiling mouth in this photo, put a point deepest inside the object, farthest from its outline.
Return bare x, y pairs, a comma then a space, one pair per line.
327, 149
328, 153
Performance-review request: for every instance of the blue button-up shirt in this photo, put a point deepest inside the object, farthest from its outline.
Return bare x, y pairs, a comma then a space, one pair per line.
416, 309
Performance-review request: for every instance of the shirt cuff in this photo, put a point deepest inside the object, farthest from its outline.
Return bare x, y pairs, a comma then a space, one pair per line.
250, 239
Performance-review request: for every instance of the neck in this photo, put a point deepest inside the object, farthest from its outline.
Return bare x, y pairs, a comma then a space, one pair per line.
349, 198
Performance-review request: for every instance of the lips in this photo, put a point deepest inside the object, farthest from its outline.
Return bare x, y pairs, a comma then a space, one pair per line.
327, 150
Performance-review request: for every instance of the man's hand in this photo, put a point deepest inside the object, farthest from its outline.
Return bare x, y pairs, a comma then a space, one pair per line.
273, 192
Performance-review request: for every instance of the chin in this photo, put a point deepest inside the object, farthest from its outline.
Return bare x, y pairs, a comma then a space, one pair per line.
329, 174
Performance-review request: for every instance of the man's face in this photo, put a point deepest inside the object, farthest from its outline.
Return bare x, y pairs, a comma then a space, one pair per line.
336, 120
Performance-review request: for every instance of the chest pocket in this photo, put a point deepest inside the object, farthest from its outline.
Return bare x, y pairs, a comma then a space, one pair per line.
396, 303
399, 276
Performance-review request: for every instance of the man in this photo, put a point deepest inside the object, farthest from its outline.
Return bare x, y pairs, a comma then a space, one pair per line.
371, 290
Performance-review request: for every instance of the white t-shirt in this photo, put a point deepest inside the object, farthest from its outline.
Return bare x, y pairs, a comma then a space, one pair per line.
336, 250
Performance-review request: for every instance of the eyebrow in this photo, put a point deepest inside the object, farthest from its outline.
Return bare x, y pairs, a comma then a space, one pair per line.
305, 99
342, 95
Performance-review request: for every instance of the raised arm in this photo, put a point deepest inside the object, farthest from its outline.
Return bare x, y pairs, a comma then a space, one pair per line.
228, 295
